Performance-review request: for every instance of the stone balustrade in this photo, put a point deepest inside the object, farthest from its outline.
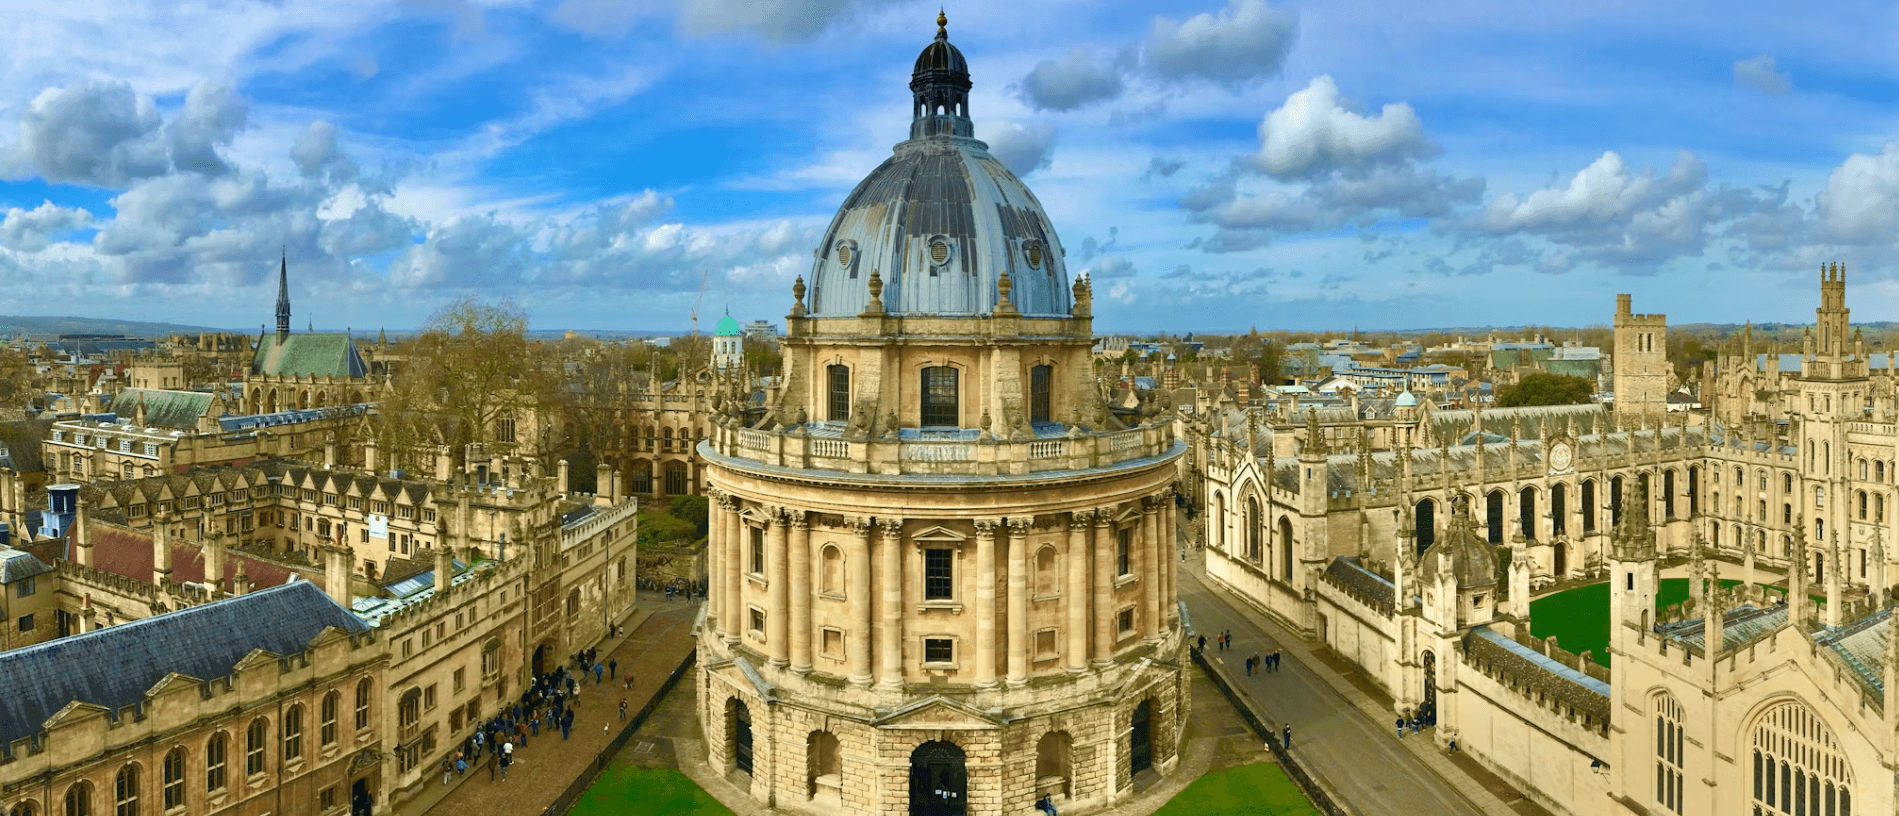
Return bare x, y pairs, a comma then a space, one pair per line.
964, 452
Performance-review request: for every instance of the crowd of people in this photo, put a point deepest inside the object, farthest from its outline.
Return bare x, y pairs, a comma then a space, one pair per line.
549, 703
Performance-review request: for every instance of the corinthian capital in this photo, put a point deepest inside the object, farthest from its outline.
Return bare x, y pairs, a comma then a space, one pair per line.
1019, 526
1080, 519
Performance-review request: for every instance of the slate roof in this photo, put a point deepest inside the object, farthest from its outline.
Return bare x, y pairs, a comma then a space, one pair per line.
114, 667
308, 355
17, 565
1540, 672
20, 444
163, 409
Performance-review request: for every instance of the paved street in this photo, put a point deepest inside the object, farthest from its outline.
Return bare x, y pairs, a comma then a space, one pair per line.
1357, 758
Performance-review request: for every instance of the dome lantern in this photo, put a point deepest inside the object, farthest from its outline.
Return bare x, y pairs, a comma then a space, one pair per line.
939, 89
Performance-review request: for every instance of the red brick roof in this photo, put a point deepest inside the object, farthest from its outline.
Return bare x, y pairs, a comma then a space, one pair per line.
128, 552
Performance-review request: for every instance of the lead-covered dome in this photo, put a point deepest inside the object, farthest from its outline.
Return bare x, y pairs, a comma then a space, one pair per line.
941, 220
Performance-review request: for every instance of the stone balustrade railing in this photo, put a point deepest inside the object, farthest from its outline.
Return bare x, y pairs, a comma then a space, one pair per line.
964, 452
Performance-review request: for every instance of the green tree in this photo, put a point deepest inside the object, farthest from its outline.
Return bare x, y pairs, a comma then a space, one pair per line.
470, 368
1546, 389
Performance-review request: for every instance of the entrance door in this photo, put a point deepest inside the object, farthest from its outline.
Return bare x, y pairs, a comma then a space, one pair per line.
359, 801
1562, 560
938, 782
1428, 711
742, 738
540, 657
1140, 738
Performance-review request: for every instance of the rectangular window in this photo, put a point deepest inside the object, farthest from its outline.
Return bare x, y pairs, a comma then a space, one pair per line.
1039, 378
832, 643
840, 388
937, 575
326, 798
1045, 645
1123, 550
940, 398
758, 549
460, 680
26, 623
939, 650
1124, 622
24, 587
758, 623
428, 698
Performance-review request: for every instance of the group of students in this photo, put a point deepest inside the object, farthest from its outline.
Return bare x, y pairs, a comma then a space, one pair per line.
1270, 662
548, 702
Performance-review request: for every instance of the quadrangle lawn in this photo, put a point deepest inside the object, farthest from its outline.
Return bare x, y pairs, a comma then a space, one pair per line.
1579, 618
1248, 790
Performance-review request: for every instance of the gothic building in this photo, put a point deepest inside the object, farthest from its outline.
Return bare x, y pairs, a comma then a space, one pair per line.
942, 568
1419, 564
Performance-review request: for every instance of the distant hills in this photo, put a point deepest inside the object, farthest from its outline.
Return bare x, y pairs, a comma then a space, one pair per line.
14, 324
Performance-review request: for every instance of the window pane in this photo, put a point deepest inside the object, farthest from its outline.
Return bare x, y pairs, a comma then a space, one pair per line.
937, 575
939, 397
1038, 393
840, 394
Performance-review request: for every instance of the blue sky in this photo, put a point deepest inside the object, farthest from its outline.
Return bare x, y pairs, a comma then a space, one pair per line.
1214, 164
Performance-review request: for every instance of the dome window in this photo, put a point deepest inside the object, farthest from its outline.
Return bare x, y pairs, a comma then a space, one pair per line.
1035, 256
844, 255
939, 252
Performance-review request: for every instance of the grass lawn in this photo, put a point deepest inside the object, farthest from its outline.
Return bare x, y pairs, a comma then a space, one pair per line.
1248, 789
1260, 790
1579, 618
630, 790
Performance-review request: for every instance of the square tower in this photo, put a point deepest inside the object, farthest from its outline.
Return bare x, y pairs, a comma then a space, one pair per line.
1641, 361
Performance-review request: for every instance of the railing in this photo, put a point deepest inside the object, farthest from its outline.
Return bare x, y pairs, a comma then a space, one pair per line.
1047, 449
831, 448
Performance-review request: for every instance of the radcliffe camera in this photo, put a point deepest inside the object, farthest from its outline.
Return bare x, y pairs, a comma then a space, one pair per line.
805, 407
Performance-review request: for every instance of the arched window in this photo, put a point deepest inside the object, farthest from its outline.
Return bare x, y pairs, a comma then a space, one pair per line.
214, 762
1040, 380
1879, 471
1714, 537
1559, 508
940, 398
1668, 494
831, 574
1493, 516
79, 799
1615, 501
1862, 505
1694, 490
173, 777
1798, 765
1285, 548
1862, 469
1879, 507
362, 704
1426, 521
1052, 762
1826, 457
1045, 575
1786, 483
823, 767
254, 739
1668, 748
326, 719
1255, 527
293, 734
1526, 513
24, 809
838, 384
1217, 521
1589, 506
125, 792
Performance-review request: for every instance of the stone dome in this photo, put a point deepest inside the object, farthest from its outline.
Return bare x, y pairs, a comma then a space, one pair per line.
1471, 559
941, 220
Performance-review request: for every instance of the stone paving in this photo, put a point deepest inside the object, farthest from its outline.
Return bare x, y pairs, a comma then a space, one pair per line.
658, 637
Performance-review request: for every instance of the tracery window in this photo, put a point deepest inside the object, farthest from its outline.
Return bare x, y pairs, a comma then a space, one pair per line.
1668, 745
1798, 765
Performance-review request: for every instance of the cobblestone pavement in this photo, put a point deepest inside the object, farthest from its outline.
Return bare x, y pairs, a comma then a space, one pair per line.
658, 638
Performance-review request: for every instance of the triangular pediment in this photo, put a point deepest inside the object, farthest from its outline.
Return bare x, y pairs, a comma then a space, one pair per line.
73, 712
173, 681
934, 713
938, 533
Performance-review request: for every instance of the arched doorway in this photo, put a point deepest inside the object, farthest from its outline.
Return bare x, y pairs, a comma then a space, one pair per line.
1427, 711
938, 781
739, 720
1562, 560
359, 802
1141, 738
540, 660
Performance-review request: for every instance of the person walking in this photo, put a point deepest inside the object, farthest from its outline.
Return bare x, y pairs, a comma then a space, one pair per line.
1202, 643
1253, 664
461, 765
1400, 728
566, 724
598, 670
622, 709
613, 667
448, 768
1285, 735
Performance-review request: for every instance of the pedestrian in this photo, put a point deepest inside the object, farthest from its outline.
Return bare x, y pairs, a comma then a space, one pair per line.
1400, 728
493, 760
1202, 643
1044, 805
461, 766
534, 725
1285, 735
1453, 746
448, 768
629, 681
597, 671
1253, 664
622, 709
566, 724
506, 760
613, 667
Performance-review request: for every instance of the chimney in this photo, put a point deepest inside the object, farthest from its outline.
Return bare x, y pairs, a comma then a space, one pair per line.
444, 569
81, 535
161, 549
602, 483
329, 451
369, 455
619, 491
563, 477
241, 585
336, 564
443, 465
214, 563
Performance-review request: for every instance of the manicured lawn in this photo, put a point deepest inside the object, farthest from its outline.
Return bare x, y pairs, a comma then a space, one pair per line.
1579, 618
1248, 789
629, 790
1258, 790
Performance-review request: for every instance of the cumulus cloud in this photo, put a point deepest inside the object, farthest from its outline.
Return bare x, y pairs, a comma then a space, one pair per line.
1316, 131
99, 133
782, 21
1605, 193
1113, 266
1760, 74
213, 113
1860, 204
471, 252
1076, 80
318, 155
33, 230
1245, 41
1023, 147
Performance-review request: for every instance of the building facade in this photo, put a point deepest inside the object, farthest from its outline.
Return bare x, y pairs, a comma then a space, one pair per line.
942, 569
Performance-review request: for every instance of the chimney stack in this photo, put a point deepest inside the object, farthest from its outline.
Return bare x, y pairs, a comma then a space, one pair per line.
444, 569
336, 563
161, 549
564, 467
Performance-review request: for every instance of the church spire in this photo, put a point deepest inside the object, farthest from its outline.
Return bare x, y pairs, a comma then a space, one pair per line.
283, 298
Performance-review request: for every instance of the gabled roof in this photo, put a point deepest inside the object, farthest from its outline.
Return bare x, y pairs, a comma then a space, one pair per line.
163, 409
308, 355
18, 565
114, 667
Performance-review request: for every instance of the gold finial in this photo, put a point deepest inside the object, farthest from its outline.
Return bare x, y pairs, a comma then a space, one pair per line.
942, 23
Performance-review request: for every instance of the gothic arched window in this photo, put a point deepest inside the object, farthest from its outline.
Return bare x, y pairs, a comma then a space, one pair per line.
1668, 745
1798, 765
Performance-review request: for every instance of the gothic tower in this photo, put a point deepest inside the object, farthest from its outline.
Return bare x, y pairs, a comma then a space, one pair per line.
1641, 361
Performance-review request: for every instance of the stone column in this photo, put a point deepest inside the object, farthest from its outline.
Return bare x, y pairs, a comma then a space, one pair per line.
890, 634
1019, 599
858, 639
1076, 593
777, 620
1150, 567
1103, 558
1170, 560
800, 592
986, 603
715, 554
733, 624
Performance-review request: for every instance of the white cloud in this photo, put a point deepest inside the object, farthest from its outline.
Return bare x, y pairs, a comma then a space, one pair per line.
100, 134
780, 21
1113, 266
316, 153
1076, 80
1860, 204
1316, 131
1760, 74
1603, 193
33, 230
1023, 147
213, 113
1245, 41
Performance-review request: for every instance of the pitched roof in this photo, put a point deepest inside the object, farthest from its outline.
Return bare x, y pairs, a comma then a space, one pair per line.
163, 409
20, 443
18, 565
114, 667
308, 355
